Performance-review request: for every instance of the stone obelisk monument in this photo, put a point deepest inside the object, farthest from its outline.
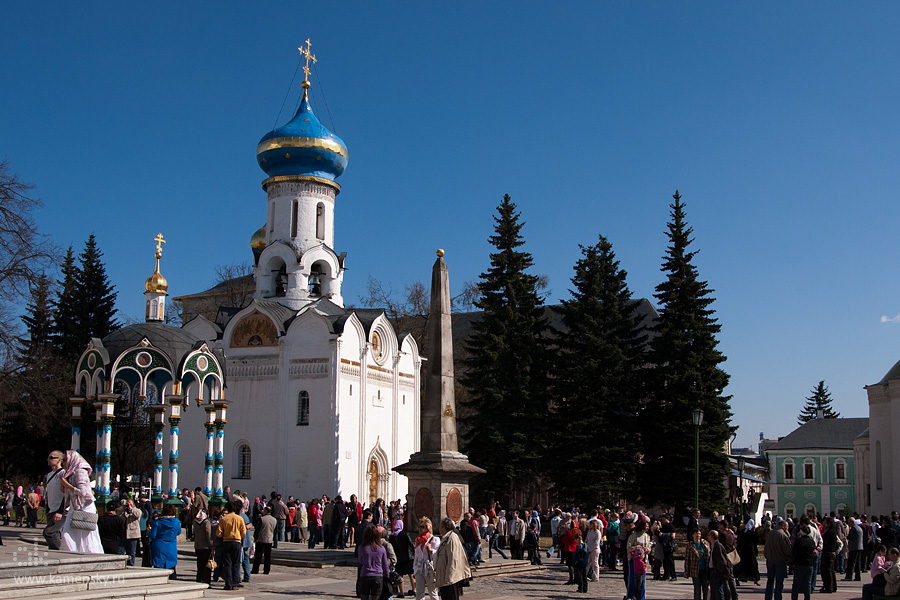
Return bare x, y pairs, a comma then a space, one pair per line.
438, 474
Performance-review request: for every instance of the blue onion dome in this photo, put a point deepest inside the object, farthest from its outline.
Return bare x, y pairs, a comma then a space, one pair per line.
302, 146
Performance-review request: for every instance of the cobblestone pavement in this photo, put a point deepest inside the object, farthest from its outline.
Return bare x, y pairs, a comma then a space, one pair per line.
549, 583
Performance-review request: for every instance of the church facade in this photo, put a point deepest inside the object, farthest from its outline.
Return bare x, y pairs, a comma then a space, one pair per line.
321, 398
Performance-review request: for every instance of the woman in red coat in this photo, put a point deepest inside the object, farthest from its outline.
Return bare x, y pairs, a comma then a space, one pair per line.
569, 544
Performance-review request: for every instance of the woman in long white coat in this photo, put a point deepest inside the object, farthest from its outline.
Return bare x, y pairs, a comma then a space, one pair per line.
75, 485
427, 545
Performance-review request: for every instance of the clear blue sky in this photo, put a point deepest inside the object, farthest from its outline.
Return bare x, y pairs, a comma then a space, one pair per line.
778, 123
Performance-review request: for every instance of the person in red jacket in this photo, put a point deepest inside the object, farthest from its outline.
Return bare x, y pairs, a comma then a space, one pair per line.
314, 522
569, 544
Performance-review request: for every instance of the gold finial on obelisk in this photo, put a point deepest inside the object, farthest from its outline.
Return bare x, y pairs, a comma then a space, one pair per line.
309, 57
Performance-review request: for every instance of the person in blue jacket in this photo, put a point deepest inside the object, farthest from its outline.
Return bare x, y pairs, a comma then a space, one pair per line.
164, 539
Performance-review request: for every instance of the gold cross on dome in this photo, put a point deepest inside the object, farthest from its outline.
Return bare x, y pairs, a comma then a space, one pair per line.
159, 242
309, 57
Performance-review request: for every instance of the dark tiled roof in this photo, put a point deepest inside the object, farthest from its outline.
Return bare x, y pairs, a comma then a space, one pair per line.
824, 434
224, 287
174, 341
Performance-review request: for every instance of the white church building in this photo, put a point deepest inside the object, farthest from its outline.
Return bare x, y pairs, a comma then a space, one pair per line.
321, 398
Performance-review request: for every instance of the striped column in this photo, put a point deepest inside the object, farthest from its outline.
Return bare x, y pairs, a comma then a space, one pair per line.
77, 404
106, 413
159, 422
219, 476
210, 449
175, 403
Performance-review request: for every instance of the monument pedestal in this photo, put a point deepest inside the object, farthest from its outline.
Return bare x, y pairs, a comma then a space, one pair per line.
438, 486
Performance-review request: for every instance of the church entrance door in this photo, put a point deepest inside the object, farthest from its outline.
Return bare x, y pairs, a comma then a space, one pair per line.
373, 481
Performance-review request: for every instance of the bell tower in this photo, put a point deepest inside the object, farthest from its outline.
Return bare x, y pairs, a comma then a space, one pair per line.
295, 260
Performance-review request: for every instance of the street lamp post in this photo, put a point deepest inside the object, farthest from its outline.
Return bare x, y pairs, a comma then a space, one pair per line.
698, 421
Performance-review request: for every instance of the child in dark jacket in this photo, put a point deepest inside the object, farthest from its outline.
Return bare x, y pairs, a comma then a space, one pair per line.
581, 564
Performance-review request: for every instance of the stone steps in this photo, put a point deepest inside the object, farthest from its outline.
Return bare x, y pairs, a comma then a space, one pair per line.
307, 560
31, 571
504, 567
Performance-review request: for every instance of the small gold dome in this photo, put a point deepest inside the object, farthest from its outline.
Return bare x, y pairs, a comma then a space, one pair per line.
258, 240
156, 284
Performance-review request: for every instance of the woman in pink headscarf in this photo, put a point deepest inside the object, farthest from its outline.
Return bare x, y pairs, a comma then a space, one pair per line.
75, 485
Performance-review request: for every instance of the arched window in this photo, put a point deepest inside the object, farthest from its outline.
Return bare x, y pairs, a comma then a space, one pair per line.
320, 221
303, 408
242, 462
790, 511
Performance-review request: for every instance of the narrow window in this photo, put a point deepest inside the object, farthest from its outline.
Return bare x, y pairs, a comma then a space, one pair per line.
303, 408
878, 482
294, 219
788, 470
320, 221
243, 462
808, 471
840, 471
351, 389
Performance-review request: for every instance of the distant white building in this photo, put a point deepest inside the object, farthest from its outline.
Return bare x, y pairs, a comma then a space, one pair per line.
882, 484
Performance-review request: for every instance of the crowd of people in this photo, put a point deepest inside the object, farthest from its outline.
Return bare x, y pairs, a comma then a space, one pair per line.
234, 538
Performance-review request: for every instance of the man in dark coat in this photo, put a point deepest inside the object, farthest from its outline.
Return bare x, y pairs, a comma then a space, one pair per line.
720, 567
339, 522
803, 559
111, 528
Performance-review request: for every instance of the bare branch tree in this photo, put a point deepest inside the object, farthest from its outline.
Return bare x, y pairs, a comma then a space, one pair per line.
233, 288
24, 253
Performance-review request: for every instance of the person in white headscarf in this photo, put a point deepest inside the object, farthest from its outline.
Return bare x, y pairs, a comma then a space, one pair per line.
75, 485
748, 550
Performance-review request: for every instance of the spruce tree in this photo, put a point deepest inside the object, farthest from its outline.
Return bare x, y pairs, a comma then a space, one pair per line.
685, 376
97, 293
505, 370
596, 388
85, 305
66, 332
820, 400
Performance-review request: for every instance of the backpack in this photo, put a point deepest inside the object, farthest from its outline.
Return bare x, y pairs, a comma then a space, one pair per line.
612, 531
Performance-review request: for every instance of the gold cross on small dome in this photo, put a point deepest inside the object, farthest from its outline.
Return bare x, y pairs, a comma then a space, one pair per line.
159, 242
309, 57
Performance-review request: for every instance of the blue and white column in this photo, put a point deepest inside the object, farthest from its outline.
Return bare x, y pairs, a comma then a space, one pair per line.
106, 413
175, 403
219, 475
77, 404
210, 449
159, 423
